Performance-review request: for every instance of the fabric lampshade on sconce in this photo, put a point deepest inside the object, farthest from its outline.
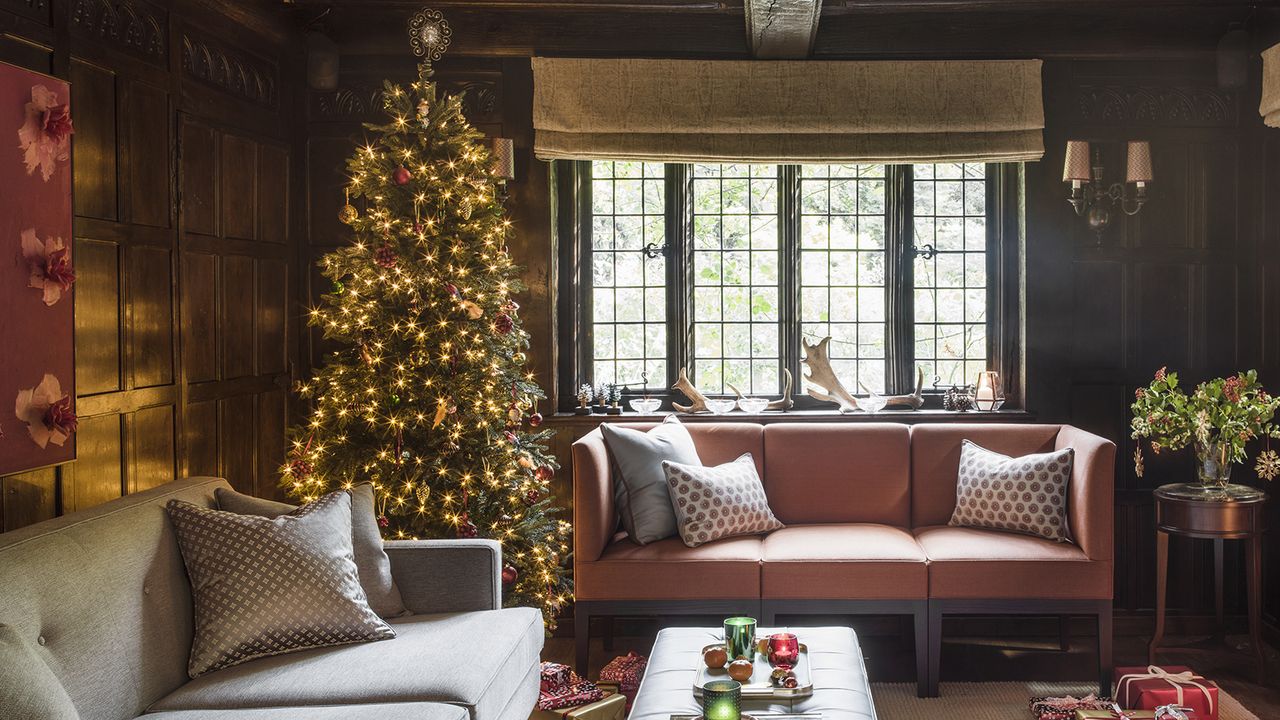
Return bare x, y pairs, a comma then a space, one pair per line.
502, 156
1091, 197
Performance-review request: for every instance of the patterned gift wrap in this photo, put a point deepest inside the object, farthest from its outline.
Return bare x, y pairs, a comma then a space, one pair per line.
555, 676
1064, 708
581, 692
612, 707
625, 672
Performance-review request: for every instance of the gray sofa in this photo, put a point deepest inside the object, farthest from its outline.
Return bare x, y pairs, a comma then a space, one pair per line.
102, 597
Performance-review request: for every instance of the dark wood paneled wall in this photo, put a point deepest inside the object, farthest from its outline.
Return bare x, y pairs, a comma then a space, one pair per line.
185, 144
1191, 282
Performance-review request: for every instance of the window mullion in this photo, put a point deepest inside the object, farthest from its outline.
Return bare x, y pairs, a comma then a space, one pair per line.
789, 270
679, 225
899, 280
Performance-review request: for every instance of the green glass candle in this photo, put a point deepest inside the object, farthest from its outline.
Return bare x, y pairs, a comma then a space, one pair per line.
721, 700
740, 637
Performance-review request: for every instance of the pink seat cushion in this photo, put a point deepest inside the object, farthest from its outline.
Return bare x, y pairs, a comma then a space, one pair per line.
857, 561
666, 569
976, 563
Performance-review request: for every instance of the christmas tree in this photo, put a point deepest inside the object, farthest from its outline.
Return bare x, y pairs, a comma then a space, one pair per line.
428, 398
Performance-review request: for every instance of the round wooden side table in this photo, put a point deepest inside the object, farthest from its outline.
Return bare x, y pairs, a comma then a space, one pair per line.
1232, 514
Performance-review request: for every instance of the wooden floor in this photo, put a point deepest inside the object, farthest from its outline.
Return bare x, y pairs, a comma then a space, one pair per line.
889, 659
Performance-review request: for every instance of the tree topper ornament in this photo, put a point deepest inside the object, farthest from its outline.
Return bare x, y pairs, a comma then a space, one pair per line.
429, 34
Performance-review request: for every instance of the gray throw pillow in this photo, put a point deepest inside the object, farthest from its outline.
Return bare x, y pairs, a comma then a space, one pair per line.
371, 560
28, 688
1025, 494
640, 485
269, 586
719, 502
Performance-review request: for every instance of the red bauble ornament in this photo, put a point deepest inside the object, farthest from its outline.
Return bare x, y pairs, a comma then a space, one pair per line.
385, 256
300, 468
544, 473
510, 437
532, 497
509, 575
504, 323
467, 529
402, 176
417, 227
451, 289
383, 521
535, 419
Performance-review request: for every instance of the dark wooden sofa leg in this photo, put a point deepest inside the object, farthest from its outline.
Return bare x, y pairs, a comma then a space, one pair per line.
581, 637
1104, 648
934, 652
920, 618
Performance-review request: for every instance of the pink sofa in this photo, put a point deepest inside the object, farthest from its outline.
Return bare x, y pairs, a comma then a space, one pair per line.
866, 507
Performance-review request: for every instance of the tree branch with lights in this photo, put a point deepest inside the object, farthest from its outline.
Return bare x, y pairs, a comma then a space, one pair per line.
428, 397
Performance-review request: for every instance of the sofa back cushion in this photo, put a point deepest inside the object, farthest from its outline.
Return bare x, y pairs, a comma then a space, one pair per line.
104, 596
720, 442
935, 460
838, 472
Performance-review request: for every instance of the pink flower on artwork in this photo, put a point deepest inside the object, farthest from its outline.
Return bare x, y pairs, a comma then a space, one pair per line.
47, 412
50, 264
45, 137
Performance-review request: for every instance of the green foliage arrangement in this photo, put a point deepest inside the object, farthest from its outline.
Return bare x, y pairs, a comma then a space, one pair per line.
1219, 418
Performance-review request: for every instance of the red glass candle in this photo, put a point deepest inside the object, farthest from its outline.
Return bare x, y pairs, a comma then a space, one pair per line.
784, 649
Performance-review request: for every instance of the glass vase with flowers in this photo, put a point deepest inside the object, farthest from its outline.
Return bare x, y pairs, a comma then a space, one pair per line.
1218, 420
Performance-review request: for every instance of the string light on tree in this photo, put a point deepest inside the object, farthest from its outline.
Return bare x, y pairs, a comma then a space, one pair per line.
427, 397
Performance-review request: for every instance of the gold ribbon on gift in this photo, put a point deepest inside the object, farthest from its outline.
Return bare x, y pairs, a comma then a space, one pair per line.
1177, 680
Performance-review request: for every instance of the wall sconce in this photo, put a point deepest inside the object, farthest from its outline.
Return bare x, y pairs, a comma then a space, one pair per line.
502, 163
1091, 197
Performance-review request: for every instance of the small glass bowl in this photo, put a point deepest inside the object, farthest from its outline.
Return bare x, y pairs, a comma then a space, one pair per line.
753, 405
645, 406
720, 406
872, 403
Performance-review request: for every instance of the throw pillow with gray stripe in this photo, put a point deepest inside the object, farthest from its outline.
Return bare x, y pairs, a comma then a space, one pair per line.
269, 586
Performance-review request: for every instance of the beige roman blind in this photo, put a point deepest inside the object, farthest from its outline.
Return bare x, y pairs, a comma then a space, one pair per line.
1270, 107
788, 111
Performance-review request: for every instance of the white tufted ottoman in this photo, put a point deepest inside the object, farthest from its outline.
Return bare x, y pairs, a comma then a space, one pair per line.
840, 687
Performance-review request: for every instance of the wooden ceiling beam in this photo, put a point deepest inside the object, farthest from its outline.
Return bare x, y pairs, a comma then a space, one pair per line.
782, 29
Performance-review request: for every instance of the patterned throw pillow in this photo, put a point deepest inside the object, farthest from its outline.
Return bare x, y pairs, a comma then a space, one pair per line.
268, 586
372, 563
1026, 495
718, 502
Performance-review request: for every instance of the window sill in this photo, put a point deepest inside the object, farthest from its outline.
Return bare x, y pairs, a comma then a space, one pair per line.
900, 416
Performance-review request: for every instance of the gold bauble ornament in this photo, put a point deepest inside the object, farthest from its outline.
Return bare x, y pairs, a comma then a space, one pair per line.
519, 358
348, 214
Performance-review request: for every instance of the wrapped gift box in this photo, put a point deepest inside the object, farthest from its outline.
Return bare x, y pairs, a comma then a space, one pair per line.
1064, 708
555, 676
1147, 688
1110, 715
612, 707
625, 672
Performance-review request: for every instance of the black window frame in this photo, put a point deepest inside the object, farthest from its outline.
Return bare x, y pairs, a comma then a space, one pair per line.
1005, 213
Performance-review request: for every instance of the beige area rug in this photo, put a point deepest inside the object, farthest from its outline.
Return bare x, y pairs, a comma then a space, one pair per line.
993, 701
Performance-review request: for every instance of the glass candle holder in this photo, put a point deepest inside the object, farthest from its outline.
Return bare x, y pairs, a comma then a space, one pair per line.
740, 637
784, 649
722, 700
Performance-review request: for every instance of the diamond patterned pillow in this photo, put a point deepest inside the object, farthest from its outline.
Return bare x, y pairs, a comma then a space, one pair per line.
1026, 494
718, 502
268, 586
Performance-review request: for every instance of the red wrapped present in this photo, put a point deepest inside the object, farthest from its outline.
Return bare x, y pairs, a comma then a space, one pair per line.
1064, 708
612, 707
1147, 688
581, 692
555, 676
625, 672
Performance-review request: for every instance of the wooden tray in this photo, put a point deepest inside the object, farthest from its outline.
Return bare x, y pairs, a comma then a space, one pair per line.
758, 685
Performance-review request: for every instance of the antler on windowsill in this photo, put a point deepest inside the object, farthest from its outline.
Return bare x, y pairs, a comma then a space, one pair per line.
699, 403
824, 378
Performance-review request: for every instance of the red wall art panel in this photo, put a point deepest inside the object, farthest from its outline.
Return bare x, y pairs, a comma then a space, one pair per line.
37, 272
